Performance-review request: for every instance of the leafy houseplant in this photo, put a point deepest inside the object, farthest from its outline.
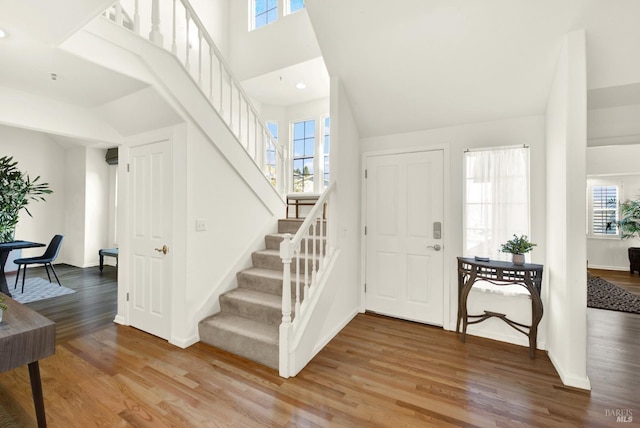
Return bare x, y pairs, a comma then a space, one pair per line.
629, 222
3, 307
17, 189
517, 246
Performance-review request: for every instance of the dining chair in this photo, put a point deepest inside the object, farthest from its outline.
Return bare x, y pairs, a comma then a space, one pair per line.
46, 259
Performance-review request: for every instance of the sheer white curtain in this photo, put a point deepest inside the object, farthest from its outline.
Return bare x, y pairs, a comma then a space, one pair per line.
496, 199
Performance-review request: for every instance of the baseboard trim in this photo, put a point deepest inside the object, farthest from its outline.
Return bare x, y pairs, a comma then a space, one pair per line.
184, 342
568, 379
618, 268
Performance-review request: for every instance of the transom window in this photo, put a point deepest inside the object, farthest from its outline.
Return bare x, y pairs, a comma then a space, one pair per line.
264, 12
295, 5
604, 200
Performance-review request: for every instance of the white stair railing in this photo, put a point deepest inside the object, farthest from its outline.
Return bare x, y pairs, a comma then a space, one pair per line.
174, 26
304, 259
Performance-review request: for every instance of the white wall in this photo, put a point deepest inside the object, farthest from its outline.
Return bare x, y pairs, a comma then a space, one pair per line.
566, 204
615, 125
617, 164
214, 14
289, 40
455, 140
75, 204
97, 208
37, 154
340, 300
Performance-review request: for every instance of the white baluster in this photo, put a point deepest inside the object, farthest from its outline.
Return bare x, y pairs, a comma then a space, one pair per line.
155, 36
199, 57
174, 45
313, 260
187, 65
119, 16
211, 53
297, 311
136, 17
306, 264
285, 254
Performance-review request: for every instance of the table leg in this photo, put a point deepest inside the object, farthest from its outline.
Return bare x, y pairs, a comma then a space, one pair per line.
38, 397
3, 280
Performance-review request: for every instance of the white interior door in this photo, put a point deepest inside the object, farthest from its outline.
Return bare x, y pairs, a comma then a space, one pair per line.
151, 208
404, 219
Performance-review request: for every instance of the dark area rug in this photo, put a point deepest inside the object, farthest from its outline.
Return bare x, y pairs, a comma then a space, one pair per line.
602, 294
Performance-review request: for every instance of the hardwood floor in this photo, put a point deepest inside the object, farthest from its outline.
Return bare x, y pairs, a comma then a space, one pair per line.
378, 372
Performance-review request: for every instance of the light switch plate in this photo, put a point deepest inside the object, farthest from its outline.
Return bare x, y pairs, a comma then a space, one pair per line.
201, 224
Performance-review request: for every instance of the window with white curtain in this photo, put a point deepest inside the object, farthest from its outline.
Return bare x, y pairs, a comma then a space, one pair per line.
496, 199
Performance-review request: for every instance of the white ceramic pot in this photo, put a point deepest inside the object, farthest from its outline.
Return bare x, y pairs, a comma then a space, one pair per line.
518, 259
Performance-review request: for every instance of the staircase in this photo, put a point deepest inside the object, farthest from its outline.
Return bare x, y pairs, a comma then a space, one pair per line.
250, 315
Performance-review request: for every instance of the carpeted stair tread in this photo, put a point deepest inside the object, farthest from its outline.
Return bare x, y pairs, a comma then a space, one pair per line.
241, 336
270, 259
266, 280
255, 305
273, 240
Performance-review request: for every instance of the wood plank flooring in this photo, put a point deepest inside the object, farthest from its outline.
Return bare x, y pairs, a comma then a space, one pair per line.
378, 372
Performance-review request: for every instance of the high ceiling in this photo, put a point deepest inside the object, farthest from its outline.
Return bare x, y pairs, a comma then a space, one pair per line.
418, 64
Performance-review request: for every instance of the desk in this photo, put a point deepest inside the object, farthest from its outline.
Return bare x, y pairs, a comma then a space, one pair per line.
5, 249
26, 337
528, 276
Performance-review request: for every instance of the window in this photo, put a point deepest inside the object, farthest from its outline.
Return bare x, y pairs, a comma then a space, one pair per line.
270, 153
496, 204
604, 209
326, 151
295, 5
264, 12
304, 145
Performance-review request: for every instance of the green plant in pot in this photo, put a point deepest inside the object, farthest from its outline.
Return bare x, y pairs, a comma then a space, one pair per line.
629, 227
3, 307
17, 189
629, 221
518, 247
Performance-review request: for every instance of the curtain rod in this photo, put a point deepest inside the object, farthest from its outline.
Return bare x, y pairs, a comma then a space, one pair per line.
521, 146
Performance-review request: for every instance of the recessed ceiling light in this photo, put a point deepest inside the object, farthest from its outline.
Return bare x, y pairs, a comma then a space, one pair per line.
3, 33
301, 85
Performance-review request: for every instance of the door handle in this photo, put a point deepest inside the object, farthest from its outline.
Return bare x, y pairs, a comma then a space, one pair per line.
436, 247
163, 250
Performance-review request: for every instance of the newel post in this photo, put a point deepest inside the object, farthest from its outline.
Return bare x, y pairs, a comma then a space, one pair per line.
285, 326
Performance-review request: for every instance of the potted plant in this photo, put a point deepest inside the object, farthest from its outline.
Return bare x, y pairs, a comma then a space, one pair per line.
3, 307
17, 189
518, 247
629, 226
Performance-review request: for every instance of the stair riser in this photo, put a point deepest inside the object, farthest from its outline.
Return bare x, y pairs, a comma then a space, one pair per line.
292, 226
266, 285
274, 262
273, 243
252, 349
255, 311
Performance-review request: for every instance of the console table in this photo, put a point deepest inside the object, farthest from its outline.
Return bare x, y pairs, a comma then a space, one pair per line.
499, 273
26, 337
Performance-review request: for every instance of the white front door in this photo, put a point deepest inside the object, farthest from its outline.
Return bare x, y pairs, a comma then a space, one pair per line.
151, 208
404, 219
